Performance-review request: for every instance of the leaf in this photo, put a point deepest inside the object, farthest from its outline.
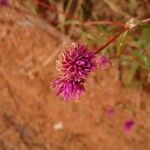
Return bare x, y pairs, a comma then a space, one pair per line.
121, 42
143, 58
144, 40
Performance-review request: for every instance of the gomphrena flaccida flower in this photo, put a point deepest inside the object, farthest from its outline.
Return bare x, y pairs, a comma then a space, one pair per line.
68, 88
77, 61
73, 65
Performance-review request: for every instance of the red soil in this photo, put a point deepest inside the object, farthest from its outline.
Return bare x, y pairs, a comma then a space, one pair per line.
30, 112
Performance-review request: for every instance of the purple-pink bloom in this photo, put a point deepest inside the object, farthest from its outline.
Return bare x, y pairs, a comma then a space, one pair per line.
110, 110
68, 88
103, 61
76, 62
128, 125
3, 2
73, 66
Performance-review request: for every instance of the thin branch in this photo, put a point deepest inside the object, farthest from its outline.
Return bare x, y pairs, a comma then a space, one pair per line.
104, 22
111, 40
87, 23
53, 8
116, 9
146, 20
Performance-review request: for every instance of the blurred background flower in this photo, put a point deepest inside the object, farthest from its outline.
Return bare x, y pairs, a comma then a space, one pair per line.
128, 125
3, 2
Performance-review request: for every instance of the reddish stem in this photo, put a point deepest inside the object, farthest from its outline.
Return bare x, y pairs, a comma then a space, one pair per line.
104, 22
111, 40
115, 37
146, 20
49, 7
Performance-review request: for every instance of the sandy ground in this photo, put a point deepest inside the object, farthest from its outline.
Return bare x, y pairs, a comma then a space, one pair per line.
33, 118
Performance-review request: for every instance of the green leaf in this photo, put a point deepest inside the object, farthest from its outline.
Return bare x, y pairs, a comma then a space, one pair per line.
144, 40
143, 58
121, 42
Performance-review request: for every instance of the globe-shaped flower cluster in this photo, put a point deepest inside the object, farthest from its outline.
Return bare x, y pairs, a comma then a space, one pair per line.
73, 66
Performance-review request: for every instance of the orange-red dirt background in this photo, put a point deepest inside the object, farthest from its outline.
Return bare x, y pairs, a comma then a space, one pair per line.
33, 118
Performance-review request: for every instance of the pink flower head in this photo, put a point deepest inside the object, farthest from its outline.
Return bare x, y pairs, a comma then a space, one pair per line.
3, 2
68, 88
128, 125
74, 65
103, 61
76, 62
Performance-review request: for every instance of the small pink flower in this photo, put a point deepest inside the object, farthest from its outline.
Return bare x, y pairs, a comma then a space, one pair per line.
110, 111
103, 62
128, 125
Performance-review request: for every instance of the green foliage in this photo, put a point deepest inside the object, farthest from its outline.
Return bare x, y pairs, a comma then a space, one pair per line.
121, 43
144, 40
142, 59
